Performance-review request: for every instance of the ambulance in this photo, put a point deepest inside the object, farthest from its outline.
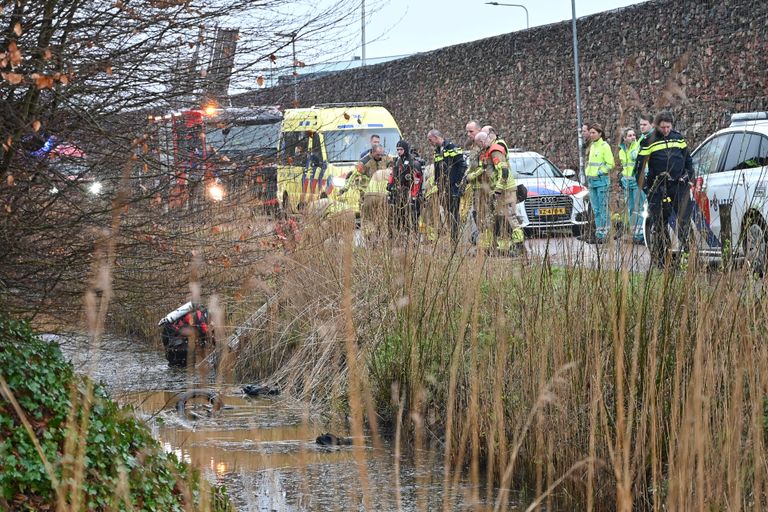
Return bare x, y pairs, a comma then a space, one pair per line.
319, 147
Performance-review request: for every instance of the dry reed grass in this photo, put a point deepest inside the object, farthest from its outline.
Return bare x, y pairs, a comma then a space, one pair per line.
598, 390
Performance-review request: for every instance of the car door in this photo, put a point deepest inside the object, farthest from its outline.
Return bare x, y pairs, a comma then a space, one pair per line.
292, 159
756, 177
709, 184
734, 200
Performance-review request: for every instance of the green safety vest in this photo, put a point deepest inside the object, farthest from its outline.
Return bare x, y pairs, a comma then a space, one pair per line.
628, 157
600, 160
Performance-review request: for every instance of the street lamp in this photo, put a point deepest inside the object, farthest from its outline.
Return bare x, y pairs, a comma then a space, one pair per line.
292, 35
527, 24
580, 142
363, 33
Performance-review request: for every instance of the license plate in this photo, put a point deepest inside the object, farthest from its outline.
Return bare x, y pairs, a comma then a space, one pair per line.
549, 211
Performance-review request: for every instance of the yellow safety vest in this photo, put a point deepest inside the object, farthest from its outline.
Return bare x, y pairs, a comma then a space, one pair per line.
628, 157
600, 159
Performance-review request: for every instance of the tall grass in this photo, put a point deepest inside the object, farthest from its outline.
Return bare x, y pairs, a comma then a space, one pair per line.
581, 388
584, 388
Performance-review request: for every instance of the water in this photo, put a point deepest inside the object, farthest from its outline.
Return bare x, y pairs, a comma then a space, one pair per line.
262, 449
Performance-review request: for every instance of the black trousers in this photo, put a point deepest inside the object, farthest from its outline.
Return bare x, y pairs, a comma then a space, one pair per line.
669, 204
450, 204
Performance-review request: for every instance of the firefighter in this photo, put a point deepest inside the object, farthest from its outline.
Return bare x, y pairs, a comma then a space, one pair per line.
360, 176
599, 166
479, 180
633, 196
669, 180
448, 174
494, 136
375, 141
469, 198
508, 238
179, 327
374, 218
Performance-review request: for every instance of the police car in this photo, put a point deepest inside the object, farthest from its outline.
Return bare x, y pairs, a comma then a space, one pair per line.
730, 193
554, 200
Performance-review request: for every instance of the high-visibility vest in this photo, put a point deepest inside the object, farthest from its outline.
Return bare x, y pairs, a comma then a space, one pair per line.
378, 182
628, 157
600, 159
501, 180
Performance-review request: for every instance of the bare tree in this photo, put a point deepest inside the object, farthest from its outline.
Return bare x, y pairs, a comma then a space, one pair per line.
79, 79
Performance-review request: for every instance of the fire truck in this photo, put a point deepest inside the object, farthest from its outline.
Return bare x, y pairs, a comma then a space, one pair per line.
212, 152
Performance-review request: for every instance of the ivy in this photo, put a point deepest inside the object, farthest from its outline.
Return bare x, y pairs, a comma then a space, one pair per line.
42, 383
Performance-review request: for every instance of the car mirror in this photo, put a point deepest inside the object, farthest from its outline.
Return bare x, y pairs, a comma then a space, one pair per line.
570, 174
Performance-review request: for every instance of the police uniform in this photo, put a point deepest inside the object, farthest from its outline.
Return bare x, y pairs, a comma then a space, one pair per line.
668, 180
449, 171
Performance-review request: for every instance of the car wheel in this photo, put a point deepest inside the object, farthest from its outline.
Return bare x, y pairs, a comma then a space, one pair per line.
755, 241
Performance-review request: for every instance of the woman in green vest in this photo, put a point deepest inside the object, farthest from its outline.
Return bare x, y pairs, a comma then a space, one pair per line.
599, 166
633, 196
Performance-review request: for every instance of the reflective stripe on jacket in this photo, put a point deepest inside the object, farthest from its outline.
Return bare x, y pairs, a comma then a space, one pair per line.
600, 160
628, 157
495, 159
666, 155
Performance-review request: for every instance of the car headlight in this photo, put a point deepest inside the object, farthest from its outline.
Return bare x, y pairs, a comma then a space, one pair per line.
582, 194
95, 188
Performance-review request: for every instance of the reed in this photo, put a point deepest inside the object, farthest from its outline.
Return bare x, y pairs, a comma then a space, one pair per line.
599, 389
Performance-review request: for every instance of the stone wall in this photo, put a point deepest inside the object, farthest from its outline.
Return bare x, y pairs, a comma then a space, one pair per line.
703, 59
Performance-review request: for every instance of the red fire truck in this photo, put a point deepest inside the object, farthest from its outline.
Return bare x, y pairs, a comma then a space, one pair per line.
217, 151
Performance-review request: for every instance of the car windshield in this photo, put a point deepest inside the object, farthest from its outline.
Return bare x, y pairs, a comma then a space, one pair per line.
72, 168
533, 167
244, 138
348, 145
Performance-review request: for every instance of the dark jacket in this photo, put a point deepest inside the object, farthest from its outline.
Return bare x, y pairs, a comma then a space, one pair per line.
449, 167
668, 155
406, 178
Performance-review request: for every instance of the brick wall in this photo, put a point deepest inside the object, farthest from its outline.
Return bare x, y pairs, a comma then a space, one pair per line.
703, 59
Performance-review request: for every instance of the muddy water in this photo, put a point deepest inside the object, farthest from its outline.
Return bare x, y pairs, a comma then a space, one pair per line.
262, 449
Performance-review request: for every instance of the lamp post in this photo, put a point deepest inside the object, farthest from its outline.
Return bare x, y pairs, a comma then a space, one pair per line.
527, 24
580, 142
362, 64
292, 35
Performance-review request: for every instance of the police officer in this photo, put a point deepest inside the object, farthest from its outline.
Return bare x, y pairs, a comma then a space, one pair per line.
449, 171
668, 182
